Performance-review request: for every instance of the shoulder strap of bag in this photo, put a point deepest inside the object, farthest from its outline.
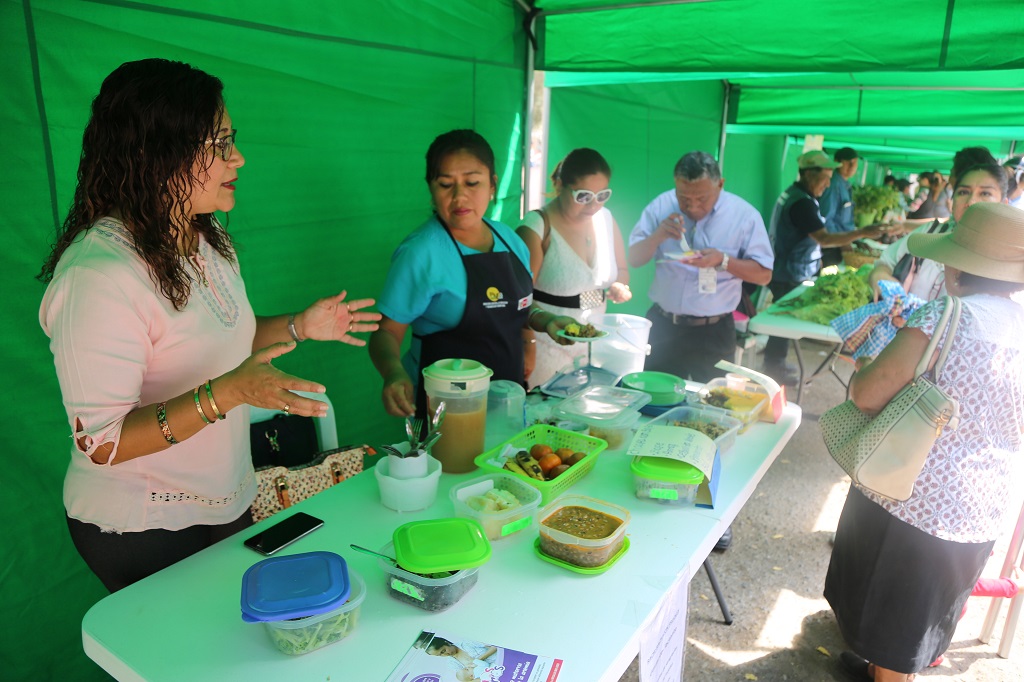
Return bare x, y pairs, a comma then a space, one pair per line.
946, 327
545, 241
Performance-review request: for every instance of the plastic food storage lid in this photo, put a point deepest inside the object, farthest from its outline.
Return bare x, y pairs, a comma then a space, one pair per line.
569, 382
441, 545
294, 586
602, 404
457, 374
667, 470
665, 389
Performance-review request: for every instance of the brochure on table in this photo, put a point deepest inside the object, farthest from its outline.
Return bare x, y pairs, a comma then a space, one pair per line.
776, 393
684, 445
446, 657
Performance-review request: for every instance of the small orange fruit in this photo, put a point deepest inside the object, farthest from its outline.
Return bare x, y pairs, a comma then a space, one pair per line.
549, 462
539, 450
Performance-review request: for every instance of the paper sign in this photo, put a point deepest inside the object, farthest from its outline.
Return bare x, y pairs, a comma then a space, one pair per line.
673, 442
662, 642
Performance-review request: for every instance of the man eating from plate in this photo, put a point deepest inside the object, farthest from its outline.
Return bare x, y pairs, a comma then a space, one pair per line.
706, 242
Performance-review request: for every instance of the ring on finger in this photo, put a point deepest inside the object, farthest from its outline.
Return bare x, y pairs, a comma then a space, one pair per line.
287, 409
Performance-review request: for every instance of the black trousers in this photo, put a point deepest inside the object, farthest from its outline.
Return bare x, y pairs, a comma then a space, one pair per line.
689, 352
120, 559
777, 348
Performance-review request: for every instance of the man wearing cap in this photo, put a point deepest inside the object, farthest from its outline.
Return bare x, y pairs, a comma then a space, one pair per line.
799, 233
836, 203
697, 287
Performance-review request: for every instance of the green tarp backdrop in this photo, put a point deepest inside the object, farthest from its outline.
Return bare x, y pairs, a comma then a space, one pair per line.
336, 103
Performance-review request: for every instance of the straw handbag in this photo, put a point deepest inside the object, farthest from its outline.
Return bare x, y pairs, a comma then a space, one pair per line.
885, 453
279, 487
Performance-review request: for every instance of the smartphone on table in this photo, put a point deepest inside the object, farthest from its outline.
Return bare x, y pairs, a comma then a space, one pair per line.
283, 533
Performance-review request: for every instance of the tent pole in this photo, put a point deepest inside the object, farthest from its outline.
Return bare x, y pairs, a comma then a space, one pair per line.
530, 25
726, 89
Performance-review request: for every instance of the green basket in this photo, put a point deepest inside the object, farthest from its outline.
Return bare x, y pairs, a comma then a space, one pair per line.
556, 438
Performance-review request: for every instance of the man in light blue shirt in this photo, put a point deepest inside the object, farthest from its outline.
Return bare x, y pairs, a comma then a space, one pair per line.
695, 294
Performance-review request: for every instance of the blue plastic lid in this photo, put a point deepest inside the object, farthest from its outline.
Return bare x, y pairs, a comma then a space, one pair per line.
294, 586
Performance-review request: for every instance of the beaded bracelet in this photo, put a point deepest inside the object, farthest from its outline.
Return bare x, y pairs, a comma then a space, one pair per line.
161, 419
213, 403
199, 406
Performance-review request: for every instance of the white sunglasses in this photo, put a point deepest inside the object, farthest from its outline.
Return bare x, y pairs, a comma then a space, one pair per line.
585, 196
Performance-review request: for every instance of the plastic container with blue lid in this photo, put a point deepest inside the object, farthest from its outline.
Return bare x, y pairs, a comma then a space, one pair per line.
306, 601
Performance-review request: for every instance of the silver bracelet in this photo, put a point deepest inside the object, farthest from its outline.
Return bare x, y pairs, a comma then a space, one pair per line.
291, 328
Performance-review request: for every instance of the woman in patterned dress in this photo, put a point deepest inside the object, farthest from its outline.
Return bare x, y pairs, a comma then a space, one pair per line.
577, 256
153, 337
901, 571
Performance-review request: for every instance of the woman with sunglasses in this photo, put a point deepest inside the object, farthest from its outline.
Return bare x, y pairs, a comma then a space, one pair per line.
576, 254
461, 280
153, 337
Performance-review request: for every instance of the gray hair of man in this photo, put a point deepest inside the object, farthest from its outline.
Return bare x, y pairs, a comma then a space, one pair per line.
697, 166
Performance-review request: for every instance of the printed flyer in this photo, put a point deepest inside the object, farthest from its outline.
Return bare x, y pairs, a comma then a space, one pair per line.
442, 657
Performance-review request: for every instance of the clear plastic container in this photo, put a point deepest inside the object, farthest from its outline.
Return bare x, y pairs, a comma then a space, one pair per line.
498, 522
743, 400
610, 413
577, 529
422, 591
717, 424
666, 480
302, 635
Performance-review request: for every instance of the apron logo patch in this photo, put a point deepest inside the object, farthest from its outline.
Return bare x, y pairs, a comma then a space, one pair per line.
525, 302
495, 299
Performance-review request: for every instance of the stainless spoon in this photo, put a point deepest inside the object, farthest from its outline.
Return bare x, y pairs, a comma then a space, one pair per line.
413, 436
431, 439
438, 419
385, 557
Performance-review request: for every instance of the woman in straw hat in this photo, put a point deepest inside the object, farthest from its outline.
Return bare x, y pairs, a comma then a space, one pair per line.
901, 571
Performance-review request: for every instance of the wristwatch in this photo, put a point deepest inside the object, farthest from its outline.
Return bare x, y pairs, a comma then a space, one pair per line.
724, 265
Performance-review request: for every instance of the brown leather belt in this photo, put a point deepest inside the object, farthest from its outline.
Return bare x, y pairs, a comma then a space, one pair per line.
690, 320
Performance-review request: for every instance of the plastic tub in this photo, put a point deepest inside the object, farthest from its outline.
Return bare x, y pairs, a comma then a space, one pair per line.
706, 419
745, 401
302, 635
580, 546
422, 591
610, 413
407, 494
664, 389
501, 522
625, 349
666, 480
306, 601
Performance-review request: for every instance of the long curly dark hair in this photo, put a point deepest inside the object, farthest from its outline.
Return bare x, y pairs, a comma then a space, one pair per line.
149, 128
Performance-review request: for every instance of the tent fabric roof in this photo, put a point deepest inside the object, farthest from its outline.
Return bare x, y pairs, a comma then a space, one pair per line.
875, 71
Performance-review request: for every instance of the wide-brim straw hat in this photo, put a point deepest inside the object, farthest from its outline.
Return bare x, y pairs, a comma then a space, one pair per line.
987, 241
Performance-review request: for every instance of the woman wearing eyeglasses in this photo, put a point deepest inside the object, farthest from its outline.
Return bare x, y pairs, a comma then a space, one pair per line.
461, 280
576, 254
154, 341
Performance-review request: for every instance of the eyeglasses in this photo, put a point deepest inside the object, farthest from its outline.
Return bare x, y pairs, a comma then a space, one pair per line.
585, 196
223, 146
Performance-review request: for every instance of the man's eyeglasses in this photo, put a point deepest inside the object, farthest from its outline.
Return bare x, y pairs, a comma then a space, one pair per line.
585, 196
223, 146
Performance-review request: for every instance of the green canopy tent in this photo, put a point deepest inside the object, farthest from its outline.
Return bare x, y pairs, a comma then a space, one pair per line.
336, 104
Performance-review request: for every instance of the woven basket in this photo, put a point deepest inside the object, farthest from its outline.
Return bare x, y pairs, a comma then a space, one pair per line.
854, 260
556, 438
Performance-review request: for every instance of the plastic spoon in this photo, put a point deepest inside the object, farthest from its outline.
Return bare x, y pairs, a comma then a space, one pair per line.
385, 557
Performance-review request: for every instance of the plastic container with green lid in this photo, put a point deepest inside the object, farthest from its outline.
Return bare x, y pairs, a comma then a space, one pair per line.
440, 545
664, 389
666, 480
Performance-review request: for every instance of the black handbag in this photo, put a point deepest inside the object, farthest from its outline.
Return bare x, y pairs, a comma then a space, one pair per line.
283, 440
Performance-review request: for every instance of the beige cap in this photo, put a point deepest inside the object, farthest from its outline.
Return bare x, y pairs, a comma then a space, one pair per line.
815, 159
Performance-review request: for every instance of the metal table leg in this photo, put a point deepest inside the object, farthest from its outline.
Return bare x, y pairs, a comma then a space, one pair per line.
713, 579
1013, 556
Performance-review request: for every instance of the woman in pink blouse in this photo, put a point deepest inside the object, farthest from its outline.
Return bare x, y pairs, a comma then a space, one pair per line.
153, 338
901, 571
